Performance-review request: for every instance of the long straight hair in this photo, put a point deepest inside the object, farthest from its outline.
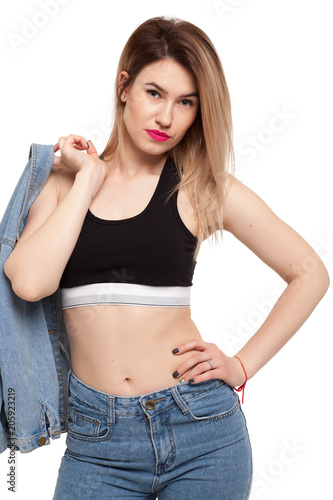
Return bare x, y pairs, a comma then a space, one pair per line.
204, 154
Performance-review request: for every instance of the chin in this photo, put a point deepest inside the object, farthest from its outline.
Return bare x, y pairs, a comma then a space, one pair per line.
156, 150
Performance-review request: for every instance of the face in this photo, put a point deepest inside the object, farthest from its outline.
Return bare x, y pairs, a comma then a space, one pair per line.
161, 105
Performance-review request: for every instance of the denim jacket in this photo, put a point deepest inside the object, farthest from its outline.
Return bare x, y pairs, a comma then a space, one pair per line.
34, 349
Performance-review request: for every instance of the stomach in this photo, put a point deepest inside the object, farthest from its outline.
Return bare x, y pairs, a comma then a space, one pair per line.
127, 350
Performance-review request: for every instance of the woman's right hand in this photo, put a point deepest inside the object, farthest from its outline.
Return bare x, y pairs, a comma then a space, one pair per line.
75, 159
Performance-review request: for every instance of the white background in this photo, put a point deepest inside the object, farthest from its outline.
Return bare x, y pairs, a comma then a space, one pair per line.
277, 58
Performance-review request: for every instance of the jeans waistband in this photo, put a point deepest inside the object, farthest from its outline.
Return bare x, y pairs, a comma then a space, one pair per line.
136, 405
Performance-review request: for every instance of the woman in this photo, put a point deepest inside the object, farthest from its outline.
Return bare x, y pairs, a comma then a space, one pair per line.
153, 409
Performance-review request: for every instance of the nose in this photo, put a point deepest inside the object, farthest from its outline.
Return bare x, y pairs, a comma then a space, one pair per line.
164, 115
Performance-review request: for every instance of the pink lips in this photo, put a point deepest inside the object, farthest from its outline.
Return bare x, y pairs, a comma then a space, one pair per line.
157, 135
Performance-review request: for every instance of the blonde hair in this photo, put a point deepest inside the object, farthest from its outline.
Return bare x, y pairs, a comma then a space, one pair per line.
204, 154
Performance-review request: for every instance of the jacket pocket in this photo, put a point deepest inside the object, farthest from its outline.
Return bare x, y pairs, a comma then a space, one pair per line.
87, 423
213, 404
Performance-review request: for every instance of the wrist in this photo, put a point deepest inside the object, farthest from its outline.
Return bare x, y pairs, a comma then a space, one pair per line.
242, 386
84, 180
237, 375
93, 176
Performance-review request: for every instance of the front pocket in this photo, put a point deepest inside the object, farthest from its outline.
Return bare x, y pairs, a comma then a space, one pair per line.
86, 422
219, 402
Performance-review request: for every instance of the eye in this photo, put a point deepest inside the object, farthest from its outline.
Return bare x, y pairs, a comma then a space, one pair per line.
188, 101
150, 92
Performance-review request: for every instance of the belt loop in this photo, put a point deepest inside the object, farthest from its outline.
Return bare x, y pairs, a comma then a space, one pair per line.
182, 405
111, 410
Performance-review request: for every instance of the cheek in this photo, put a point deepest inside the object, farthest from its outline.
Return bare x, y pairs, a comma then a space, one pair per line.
136, 113
194, 115
129, 118
188, 121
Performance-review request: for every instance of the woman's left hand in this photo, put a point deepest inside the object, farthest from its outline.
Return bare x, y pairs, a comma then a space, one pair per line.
198, 367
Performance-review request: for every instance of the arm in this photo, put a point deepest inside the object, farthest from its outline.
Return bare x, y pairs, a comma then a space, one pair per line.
39, 258
252, 222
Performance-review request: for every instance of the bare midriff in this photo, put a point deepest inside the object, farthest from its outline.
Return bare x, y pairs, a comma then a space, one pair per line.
127, 350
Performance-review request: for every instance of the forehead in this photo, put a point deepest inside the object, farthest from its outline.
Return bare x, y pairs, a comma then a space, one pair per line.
168, 72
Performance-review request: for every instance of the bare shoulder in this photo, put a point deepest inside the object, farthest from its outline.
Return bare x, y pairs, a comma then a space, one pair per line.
241, 204
55, 188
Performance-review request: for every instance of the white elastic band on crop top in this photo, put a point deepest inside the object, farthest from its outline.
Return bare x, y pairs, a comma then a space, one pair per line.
125, 294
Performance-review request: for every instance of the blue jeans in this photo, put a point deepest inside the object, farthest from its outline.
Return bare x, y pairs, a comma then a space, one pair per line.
185, 442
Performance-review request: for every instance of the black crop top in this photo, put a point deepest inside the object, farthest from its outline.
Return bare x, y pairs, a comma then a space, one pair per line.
151, 248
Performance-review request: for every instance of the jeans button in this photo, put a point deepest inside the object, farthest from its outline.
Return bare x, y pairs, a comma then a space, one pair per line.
150, 404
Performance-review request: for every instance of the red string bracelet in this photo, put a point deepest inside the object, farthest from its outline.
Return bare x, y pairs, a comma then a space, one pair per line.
241, 387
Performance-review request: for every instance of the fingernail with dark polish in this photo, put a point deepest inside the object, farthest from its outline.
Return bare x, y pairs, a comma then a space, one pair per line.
175, 351
175, 374
191, 380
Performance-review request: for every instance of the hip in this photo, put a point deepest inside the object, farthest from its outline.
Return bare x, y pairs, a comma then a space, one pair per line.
96, 416
184, 441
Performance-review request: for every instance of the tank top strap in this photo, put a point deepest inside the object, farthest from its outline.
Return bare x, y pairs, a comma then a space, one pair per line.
168, 180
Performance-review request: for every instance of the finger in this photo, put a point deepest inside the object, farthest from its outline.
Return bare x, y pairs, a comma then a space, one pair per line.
61, 142
197, 360
91, 150
200, 345
56, 147
202, 377
199, 370
75, 141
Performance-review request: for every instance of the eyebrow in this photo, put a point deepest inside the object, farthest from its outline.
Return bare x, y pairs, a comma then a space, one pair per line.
192, 94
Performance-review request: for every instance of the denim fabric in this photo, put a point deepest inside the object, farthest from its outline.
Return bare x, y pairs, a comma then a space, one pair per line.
34, 349
185, 442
